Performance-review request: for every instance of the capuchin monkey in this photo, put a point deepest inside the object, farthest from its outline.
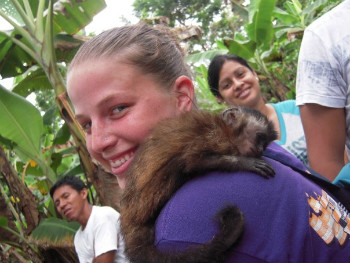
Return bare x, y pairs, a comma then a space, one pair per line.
178, 150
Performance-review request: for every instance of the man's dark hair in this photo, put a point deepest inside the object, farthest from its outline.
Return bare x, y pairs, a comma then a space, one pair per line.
74, 182
215, 67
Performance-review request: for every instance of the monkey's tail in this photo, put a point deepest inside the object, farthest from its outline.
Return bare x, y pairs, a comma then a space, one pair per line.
231, 225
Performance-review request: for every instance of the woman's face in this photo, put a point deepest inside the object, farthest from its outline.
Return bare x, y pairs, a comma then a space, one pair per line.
238, 85
118, 105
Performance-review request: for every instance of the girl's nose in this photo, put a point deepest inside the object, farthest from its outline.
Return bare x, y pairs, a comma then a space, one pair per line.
101, 137
237, 84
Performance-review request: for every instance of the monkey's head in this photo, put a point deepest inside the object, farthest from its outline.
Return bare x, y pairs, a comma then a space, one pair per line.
251, 128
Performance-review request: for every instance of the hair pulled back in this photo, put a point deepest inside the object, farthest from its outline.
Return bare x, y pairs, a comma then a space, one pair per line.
215, 67
154, 50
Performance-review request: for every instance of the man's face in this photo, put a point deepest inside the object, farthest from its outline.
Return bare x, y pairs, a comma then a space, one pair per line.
69, 202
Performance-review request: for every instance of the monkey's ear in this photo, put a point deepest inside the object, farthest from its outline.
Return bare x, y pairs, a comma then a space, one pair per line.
184, 91
230, 115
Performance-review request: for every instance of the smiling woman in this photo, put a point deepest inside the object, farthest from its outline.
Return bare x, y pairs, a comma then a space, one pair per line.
234, 82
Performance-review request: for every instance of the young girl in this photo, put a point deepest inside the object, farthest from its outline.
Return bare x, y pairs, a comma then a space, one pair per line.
233, 81
122, 83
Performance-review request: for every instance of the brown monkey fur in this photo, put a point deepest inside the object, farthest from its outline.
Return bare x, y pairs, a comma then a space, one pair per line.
178, 150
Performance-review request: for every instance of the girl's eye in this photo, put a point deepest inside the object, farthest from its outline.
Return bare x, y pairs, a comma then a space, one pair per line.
225, 86
86, 126
118, 109
240, 74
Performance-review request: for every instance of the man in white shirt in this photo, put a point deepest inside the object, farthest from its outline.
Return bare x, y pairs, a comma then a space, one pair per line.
98, 239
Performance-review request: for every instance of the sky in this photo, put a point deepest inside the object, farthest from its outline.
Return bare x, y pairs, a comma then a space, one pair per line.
112, 16
109, 17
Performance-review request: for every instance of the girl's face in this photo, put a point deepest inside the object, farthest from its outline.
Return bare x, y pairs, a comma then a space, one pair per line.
117, 105
238, 85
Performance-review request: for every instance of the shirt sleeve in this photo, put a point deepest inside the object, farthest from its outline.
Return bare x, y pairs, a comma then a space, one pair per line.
106, 233
319, 74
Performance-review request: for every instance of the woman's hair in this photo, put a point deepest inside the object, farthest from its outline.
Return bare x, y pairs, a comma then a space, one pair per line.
215, 67
154, 50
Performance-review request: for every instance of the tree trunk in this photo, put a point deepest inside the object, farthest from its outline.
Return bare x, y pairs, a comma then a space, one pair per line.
27, 202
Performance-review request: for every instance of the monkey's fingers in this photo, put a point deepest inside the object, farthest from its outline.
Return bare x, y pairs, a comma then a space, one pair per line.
262, 168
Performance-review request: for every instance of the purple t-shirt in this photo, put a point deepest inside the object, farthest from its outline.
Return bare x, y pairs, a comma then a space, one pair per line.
288, 218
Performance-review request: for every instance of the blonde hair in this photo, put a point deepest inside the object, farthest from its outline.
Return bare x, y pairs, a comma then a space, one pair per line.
154, 50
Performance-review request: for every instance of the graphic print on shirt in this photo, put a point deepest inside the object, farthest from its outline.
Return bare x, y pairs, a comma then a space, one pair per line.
329, 219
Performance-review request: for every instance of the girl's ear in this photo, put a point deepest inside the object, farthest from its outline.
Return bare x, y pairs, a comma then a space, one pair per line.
184, 91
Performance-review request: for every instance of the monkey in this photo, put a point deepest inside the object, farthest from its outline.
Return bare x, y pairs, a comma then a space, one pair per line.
178, 150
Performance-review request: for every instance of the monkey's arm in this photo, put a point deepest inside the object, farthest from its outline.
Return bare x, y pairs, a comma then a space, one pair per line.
230, 163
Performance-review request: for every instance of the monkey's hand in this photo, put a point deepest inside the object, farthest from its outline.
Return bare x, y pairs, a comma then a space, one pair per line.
257, 165
232, 163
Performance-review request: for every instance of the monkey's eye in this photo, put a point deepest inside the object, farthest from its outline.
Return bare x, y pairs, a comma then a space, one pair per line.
261, 137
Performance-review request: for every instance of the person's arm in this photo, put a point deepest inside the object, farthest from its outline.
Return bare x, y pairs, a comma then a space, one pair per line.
107, 257
324, 129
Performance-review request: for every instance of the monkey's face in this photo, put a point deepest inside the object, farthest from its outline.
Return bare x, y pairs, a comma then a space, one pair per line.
238, 85
118, 105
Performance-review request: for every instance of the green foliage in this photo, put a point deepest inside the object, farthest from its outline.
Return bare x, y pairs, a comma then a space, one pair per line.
3, 221
13, 59
206, 99
55, 232
188, 12
39, 147
23, 125
270, 41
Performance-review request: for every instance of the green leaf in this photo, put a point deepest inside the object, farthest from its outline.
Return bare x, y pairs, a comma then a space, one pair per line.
310, 10
73, 171
244, 49
50, 115
35, 80
66, 47
286, 18
8, 7
20, 122
261, 29
290, 8
3, 221
62, 135
71, 16
55, 232
203, 56
13, 59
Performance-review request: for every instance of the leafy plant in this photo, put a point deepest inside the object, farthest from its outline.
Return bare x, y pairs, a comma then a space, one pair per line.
39, 148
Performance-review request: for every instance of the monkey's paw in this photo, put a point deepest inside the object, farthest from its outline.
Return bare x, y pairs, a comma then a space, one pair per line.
262, 168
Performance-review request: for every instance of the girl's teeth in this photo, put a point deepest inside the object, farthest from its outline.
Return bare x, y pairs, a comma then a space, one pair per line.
120, 161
